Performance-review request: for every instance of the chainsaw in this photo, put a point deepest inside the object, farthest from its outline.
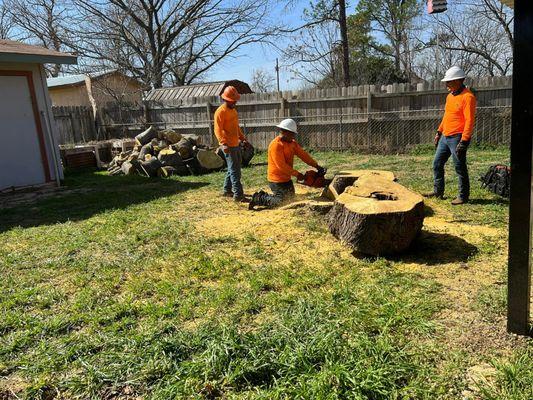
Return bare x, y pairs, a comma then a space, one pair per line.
315, 179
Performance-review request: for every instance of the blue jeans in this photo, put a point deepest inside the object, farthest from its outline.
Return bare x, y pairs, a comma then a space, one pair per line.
232, 182
445, 149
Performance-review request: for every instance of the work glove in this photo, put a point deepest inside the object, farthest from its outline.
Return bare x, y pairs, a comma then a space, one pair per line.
437, 138
461, 148
225, 148
321, 170
300, 177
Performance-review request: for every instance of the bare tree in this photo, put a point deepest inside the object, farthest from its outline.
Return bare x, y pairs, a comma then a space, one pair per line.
328, 17
314, 56
170, 40
6, 22
485, 41
43, 22
262, 81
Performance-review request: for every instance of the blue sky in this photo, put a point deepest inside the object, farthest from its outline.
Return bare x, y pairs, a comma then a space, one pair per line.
259, 57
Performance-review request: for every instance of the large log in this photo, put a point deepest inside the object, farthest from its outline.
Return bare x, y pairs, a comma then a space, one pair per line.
170, 158
375, 215
205, 161
146, 136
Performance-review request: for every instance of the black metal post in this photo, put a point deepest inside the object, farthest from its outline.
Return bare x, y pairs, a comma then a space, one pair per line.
519, 269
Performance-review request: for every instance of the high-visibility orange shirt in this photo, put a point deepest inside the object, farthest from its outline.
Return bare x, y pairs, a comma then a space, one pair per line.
227, 129
281, 158
459, 115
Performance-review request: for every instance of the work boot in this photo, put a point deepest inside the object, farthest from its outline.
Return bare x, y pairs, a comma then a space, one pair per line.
256, 199
433, 195
227, 194
457, 201
241, 199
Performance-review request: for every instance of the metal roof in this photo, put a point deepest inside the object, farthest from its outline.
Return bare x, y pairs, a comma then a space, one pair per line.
12, 51
196, 90
79, 79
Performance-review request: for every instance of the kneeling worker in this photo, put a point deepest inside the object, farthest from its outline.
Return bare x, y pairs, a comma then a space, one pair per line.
281, 152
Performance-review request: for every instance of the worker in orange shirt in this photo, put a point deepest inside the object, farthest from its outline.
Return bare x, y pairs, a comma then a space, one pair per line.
229, 134
454, 134
281, 152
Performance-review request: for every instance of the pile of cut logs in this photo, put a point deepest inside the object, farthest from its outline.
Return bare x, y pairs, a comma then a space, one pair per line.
161, 153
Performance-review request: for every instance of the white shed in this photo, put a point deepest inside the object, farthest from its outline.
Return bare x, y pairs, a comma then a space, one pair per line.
29, 149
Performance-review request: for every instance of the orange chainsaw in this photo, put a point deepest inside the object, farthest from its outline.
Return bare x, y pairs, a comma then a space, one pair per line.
314, 178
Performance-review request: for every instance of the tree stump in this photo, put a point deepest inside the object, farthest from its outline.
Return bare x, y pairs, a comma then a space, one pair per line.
375, 215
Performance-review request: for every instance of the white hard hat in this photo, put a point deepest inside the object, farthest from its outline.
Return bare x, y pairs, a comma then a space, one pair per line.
288, 125
454, 73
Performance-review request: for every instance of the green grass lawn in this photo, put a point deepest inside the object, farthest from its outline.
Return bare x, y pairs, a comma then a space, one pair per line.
128, 288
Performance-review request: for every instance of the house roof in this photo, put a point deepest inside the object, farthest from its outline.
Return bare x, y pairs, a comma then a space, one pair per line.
79, 79
196, 90
75, 79
509, 3
12, 51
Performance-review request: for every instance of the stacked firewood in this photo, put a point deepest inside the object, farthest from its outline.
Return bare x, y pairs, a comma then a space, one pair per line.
161, 153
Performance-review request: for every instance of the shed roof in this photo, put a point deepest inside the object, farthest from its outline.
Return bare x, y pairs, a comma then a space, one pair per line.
12, 51
196, 90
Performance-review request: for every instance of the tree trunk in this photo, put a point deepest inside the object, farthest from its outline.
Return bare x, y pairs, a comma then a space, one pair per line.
344, 43
376, 216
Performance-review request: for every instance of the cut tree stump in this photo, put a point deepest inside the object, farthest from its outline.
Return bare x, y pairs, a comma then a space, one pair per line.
374, 215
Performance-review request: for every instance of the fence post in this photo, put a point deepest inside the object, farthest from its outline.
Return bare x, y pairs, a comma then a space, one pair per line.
369, 117
146, 111
209, 124
282, 107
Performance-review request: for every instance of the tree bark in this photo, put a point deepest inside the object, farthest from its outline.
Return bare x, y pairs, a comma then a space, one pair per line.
376, 216
344, 43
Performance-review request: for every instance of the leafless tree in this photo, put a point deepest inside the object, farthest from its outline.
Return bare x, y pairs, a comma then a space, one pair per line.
45, 23
323, 17
314, 55
476, 35
170, 40
262, 81
482, 29
6, 22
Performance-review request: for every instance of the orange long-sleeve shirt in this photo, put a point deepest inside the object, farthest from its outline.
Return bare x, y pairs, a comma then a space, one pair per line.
459, 115
227, 129
281, 158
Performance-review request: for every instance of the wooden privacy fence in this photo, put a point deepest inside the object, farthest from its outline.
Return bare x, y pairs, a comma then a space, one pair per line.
75, 124
389, 117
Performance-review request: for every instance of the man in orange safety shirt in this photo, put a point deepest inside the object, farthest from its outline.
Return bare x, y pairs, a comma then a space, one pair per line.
454, 134
229, 135
281, 152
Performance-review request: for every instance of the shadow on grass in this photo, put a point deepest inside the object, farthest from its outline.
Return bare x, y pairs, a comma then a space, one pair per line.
432, 248
501, 201
89, 193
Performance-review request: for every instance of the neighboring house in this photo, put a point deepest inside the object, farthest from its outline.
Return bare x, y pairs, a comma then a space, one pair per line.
30, 153
94, 89
196, 90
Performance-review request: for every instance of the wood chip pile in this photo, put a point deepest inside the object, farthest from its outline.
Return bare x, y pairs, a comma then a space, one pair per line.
161, 153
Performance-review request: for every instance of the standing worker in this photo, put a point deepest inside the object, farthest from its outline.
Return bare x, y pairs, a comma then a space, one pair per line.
453, 135
281, 152
229, 133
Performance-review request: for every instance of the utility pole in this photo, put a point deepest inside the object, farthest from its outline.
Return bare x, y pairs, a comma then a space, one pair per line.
277, 72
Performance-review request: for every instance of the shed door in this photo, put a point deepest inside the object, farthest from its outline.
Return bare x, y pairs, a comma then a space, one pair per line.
21, 163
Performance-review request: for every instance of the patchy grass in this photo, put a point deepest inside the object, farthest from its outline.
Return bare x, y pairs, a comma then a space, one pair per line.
124, 287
